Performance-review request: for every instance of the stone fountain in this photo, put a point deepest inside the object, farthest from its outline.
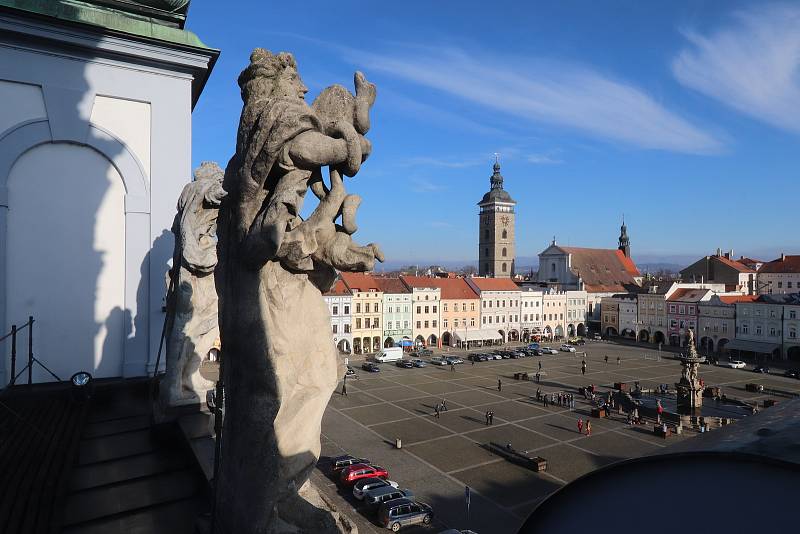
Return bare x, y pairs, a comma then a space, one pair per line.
690, 392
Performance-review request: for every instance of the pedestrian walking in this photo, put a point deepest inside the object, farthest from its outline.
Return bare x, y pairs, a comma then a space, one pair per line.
444, 405
436, 411
538, 394
473, 363
491, 417
580, 425
487, 417
606, 359
452, 368
583, 369
538, 377
659, 410
619, 360
540, 365
588, 428
499, 385
546, 398
344, 386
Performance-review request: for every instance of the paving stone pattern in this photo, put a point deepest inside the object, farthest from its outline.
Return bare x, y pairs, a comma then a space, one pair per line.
439, 457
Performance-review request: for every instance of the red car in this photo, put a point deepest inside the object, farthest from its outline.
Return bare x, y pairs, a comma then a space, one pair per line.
354, 473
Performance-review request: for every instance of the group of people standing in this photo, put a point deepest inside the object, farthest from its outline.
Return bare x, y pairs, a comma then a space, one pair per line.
564, 400
581, 426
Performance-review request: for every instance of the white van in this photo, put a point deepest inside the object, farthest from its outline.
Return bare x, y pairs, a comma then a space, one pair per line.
390, 354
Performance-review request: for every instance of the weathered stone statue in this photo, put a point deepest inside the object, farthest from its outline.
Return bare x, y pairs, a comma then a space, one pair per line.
279, 363
689, 389
193, 328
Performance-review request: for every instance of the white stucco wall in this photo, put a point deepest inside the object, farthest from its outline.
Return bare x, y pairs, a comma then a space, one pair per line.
129, 121
65, 265
21, 102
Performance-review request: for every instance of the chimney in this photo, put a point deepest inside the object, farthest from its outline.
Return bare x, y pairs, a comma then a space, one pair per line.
719, 251
783, 256
727, 255
730, 256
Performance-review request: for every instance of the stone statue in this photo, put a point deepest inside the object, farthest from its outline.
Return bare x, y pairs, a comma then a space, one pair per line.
690, 339
192, 305
279, 364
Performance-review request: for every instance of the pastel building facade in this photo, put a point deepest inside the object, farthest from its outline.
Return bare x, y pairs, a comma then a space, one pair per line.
500, 305
426, 302
340, 301
367, 312
397, 312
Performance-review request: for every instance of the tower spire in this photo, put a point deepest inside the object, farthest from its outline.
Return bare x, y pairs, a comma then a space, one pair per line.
624, 241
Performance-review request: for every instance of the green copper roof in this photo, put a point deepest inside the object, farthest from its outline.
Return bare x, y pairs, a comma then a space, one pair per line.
104, 15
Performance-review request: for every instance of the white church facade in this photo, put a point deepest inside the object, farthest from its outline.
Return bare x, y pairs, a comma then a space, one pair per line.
95, 147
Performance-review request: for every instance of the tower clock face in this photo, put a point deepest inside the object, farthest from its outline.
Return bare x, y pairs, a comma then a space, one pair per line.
504, 220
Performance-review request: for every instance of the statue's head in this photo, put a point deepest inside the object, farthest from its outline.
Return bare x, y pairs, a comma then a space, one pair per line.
210, 175
271, 76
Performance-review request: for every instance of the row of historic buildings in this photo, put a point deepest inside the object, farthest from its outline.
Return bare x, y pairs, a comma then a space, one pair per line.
370, 311
762, 325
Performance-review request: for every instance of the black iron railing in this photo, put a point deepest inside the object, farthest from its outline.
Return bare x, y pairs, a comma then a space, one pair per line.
13, 335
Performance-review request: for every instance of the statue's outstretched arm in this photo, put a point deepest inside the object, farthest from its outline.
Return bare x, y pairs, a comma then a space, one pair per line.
311, 150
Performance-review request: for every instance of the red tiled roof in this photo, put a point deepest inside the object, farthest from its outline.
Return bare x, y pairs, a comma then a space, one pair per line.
742, 268
750, 262
785, 264
455, 288
733, 299
359, 281
601, 288
339, 289
602, 267
689, 294
495, 284
390, 285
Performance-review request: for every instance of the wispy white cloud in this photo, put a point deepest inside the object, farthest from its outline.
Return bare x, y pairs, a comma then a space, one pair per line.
751, 65
547, 158
542, 91
433, 115
422, 185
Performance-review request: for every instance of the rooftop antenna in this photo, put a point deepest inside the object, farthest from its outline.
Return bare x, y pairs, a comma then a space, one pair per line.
497, 157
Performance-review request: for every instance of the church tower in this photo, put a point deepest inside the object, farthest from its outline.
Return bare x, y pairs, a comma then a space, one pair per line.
624, 242
496, 229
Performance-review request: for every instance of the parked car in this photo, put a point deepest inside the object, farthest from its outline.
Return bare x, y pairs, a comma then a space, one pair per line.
422, 352
372, 367
438, 360
567, 348
366, 484
549, 350
453, 359
340, 462
761, 369
581, 341
377, 496
735, 364
597, 337
350, 373
405, 364
533, 346
792, 373
419, 363
398, 513
354, 473
477, 357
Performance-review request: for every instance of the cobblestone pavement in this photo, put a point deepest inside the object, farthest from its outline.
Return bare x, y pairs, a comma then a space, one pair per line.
440, 456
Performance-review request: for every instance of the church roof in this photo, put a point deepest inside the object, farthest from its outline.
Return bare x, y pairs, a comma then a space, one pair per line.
496, 193
602, 269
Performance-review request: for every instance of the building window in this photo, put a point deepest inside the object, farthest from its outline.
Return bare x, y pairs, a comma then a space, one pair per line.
772, 313
772, 332
484, 320
435, 309
724, 327
792, 334
444, 323
427, 309
463, 306
472, 321
444, 307
427, 324
347, 329
472, 306
504, 253
691, 310
455, 323
553, 268
366, 322
490, 319
358, 323
358, 307
419, 309
505, 236
780, 285
503, 267
335, 328
745, 328
672, 308
346, 309
792, 314
419, 325
758, 330
434, 323
376, 323
405, 325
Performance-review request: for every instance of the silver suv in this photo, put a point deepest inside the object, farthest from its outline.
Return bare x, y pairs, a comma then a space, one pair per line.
398, 513
379, 495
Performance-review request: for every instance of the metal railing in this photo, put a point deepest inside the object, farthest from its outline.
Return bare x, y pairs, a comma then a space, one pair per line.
13, 334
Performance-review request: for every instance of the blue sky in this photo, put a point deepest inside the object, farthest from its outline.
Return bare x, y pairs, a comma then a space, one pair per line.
683, 115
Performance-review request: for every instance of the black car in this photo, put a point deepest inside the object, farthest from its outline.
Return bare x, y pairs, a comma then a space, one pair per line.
580, 342
405, 364
792, 373
371, 367
340, 462
761, 369
477, 357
